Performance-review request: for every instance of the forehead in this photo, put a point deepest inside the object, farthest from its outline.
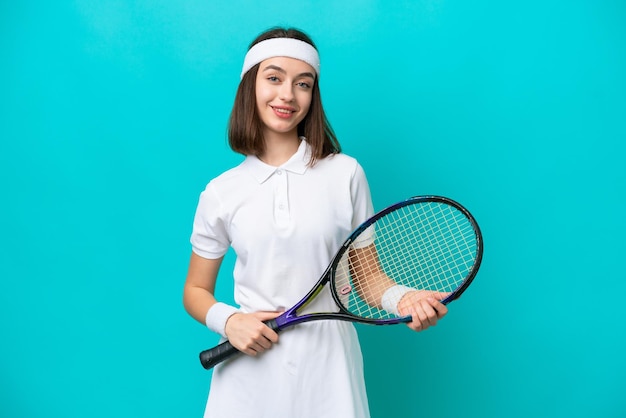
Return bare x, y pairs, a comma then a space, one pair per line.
291, 66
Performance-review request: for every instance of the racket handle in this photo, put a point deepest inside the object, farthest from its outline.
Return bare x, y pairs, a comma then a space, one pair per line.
210, 358
273, 325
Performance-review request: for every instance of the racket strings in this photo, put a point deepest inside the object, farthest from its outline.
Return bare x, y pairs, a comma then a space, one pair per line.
429, 246
439, 247
444, 254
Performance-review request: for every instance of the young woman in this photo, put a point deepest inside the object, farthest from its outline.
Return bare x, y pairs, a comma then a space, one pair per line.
285, 210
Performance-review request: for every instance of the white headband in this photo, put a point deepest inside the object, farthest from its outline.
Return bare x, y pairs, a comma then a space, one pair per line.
281, 47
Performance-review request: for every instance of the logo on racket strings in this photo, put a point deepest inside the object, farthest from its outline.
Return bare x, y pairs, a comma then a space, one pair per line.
345, 290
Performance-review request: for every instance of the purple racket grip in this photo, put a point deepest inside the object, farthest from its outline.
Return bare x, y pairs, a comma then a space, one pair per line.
210, 358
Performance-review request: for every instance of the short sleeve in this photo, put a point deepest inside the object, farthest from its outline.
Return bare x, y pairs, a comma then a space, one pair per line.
209, 238
362, 205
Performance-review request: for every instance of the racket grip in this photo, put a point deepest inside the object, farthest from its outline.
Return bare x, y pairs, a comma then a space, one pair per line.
211, 357
273, 325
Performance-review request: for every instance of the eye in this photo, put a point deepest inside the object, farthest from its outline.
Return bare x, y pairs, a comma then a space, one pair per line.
303, 84
273, 79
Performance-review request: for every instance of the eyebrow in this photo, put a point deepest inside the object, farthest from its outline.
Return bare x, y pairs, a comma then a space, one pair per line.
277, 68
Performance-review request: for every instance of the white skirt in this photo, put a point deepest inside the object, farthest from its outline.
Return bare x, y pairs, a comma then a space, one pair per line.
314, 371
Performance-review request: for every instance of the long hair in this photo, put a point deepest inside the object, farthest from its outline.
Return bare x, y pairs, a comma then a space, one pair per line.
245, 128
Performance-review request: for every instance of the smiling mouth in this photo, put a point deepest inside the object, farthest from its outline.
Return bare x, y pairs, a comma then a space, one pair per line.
283, 110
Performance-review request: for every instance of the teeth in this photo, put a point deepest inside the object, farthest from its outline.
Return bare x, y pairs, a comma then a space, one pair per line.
282, 110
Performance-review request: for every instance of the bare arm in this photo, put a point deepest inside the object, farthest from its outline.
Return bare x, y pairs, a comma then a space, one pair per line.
369, 278
200, 286
371, 282
246, 332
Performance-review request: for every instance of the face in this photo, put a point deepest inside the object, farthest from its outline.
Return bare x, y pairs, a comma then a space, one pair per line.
284, 89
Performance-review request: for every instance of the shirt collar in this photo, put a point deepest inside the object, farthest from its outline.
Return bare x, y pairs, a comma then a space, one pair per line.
297, 164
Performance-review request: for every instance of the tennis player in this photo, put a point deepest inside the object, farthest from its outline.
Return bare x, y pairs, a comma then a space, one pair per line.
285, 210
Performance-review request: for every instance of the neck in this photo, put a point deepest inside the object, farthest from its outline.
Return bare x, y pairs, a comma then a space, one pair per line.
279, 149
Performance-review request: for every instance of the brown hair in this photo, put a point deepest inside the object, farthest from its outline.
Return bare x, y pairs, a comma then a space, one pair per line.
245, 129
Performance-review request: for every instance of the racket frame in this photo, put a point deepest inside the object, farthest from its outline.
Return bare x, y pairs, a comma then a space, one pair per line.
291, 317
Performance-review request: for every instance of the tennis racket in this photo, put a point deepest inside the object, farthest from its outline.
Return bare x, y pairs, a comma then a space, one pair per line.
430, 244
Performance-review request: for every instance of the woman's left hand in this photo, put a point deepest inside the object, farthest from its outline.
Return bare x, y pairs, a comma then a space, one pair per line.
424, 307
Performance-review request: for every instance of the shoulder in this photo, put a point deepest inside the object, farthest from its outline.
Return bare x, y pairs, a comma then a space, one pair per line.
340, 160
228, 178
223, 188
341, 163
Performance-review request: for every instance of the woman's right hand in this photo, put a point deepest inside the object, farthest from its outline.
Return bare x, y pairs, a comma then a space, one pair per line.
248, 334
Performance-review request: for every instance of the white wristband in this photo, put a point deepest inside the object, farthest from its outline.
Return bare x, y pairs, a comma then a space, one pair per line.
392, 296
217, 316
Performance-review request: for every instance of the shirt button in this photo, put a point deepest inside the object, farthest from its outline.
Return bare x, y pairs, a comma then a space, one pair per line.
279, 172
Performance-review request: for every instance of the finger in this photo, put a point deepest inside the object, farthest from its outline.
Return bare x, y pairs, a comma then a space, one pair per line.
430, 311
256, 340
271, 336
416, 318
257, 346
441, 295
266, 331
264, 343
425, 315
425, 311
439, 307
265, 336
249, 350
266, 315
415, 325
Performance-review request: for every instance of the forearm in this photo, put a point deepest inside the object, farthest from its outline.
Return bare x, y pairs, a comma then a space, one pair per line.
198, 294
371, 287
202, 306
197, 301
369, 279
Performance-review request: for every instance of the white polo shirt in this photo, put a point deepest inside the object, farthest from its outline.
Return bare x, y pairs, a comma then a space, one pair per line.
285, 224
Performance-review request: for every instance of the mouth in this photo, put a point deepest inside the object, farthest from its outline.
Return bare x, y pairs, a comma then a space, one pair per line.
283, 112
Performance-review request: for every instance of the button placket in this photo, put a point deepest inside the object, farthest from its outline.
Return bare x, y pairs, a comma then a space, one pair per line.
281, 202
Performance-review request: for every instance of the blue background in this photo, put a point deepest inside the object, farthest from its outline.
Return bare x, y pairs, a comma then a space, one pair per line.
112, 120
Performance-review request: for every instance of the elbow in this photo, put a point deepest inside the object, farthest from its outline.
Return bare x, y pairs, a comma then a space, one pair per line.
187, 298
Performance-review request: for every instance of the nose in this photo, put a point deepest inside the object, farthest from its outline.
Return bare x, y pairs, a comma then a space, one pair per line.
286, 92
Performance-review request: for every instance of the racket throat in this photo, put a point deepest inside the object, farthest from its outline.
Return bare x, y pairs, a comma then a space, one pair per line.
292, 319
288, 320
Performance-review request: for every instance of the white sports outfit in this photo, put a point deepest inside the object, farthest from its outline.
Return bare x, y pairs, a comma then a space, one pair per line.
285, 224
